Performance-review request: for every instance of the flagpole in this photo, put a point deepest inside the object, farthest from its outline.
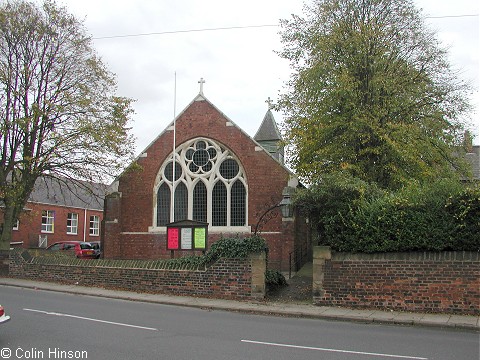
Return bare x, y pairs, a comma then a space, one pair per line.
172, 212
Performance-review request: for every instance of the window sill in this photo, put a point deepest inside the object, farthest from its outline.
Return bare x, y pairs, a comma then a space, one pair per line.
211, 229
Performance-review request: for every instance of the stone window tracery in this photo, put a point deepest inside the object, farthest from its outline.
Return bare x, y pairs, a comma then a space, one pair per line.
210, 186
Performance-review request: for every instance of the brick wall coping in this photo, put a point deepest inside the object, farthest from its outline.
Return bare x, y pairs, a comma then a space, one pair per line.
409, 256
48, 258
233, 278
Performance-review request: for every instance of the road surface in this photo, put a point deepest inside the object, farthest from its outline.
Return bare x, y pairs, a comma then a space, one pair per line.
49, 325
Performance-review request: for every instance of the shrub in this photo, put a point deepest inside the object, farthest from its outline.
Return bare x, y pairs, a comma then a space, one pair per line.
225, 247
235, 248
274, 279
334, 194
443, 215
464, 208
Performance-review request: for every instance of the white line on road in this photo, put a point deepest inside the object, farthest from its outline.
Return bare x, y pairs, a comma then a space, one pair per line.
334, 350
90, 319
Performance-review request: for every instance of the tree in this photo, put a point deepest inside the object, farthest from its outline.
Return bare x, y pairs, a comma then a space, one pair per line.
59, 113
371, 93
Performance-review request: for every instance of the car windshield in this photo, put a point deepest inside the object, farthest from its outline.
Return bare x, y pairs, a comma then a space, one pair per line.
84, 246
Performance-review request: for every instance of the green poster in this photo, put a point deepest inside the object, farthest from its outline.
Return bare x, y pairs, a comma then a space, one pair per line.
199, 238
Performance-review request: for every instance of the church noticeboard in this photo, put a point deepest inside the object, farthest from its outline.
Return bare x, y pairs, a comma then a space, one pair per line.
187, 235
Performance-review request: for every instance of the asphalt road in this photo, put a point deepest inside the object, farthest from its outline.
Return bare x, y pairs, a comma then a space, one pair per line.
48, 325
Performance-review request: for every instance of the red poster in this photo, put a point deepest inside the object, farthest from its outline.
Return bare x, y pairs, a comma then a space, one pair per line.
172, 239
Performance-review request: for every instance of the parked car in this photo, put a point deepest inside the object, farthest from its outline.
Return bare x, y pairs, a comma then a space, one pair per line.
97, 246
3, 318
83, 250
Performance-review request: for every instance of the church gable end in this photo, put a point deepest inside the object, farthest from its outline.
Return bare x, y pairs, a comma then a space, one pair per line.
219, 177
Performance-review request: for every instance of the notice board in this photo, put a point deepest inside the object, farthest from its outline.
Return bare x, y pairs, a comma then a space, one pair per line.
187, 235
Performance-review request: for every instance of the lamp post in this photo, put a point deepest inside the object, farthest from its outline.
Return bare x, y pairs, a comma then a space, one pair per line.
285, 204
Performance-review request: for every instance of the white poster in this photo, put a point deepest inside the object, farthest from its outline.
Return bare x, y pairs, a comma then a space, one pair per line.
186, 238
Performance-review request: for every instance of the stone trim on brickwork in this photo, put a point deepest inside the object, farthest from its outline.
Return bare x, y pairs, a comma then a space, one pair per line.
413, 256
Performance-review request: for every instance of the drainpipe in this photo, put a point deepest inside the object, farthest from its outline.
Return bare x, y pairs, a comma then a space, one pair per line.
85, 225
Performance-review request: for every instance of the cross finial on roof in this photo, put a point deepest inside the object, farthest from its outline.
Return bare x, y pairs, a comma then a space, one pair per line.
270, 103
201, 82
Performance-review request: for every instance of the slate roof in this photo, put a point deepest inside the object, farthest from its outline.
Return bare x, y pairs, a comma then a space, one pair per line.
69, 193
268, 130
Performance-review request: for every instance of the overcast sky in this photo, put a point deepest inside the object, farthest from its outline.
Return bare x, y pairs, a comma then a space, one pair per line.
240, 67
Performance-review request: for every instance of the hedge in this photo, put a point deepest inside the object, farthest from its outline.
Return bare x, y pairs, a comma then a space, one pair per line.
440, 216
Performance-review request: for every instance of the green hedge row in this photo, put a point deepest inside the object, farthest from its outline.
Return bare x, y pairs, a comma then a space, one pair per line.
439, 216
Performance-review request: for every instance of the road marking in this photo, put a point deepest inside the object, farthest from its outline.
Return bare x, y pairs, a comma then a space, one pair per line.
334, 350
90, 319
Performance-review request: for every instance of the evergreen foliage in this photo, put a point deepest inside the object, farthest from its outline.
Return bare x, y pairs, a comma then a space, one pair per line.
224, 248
443, 215
274, 279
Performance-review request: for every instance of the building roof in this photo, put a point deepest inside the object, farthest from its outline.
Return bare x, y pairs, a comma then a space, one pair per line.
68, 193
268, 122
268, 130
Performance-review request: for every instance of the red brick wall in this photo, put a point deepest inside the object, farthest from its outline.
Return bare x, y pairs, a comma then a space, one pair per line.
447, 282
266, 178
31, 225
227, 278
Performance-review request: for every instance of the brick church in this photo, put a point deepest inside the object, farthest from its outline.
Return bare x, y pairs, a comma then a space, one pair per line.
234, 184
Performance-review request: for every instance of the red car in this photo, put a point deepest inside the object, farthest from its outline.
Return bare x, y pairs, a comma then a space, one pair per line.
83, 250
3, 318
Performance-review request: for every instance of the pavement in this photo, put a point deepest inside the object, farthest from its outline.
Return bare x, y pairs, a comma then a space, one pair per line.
266, 307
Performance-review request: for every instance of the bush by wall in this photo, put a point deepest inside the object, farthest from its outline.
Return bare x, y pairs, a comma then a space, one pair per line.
431, 217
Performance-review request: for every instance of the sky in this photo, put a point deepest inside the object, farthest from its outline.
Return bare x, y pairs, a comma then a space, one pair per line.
241, 70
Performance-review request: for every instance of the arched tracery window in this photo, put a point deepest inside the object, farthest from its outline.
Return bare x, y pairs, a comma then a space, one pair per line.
210, 186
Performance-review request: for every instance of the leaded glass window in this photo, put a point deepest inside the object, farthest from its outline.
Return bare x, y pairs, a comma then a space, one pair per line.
181, 202
210, 186
237, 205
219, 206
163, 205
200, 202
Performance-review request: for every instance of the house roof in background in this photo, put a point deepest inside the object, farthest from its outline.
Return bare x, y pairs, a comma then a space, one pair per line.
69, 193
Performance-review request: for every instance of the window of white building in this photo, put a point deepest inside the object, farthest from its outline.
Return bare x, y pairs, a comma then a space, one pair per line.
72, 223
48, 220
94, 225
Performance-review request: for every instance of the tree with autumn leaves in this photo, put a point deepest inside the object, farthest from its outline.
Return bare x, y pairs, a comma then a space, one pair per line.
371, 94
60, 116
373, 113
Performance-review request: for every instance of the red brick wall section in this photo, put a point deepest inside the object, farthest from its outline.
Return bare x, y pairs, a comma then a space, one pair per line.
30, 227
227, 278
445, 282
